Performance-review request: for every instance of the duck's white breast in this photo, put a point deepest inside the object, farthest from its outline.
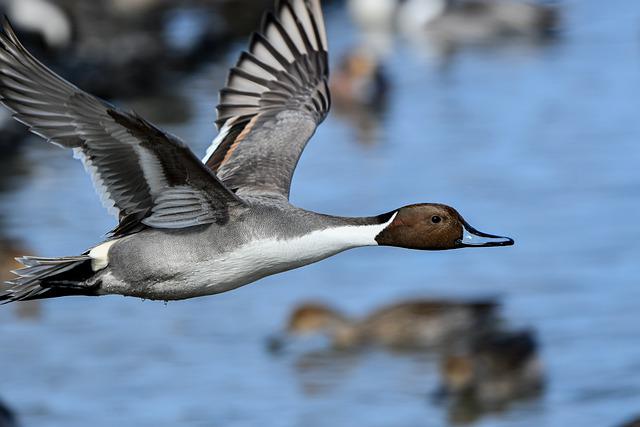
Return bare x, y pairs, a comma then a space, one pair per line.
263, 257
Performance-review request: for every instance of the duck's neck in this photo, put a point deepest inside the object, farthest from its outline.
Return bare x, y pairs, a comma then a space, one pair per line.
317, 237
352, 232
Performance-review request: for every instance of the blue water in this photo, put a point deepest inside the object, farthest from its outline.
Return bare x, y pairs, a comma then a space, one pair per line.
538, 143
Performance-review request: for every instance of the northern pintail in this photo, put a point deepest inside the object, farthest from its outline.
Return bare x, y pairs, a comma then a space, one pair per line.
189, 228
412, 324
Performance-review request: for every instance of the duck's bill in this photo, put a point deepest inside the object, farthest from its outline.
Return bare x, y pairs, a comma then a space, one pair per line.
472, 238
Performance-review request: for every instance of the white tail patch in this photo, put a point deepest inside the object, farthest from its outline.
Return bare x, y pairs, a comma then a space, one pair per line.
100, 255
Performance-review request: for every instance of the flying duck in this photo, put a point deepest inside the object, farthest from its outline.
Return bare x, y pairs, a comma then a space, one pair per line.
189, 228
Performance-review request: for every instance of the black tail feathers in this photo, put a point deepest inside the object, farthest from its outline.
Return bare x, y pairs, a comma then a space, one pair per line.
49, 278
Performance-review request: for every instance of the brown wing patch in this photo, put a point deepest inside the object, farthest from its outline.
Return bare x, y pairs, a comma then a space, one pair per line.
239, 139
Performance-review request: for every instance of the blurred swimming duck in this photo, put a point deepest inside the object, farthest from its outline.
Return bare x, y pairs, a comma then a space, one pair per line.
360, 81
415, 324
477, 21
43, 20
498, 366
189, 228
457, 21
124, 39
377, 16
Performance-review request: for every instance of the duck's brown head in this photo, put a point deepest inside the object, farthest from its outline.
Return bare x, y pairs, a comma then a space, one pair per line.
434, 227
312, 318
318, 318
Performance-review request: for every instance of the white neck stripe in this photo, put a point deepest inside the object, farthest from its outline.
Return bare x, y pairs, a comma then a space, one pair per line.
353, 236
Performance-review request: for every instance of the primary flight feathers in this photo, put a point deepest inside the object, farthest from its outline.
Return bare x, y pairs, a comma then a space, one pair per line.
150, 178
275, 97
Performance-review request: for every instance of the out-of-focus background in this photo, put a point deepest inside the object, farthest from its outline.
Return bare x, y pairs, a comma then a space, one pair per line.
531, 134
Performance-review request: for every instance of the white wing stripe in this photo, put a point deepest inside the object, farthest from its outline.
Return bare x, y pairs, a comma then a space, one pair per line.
305, 20
291, 27
218, 140
245, 85
277, 40
98, 182
256, 70
152, 170
319, 21
263, 54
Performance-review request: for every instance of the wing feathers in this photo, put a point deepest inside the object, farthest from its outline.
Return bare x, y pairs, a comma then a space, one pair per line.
181, 206
283, 75
134, 166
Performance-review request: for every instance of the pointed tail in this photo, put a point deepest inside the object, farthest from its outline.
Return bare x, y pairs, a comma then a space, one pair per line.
49, 278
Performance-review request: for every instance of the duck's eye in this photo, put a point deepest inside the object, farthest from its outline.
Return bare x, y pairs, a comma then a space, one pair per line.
436, 219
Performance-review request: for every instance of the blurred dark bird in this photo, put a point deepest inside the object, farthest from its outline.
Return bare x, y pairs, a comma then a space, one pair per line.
415, 324
631, 423
11, 134
495, 368
190, 228
7, 417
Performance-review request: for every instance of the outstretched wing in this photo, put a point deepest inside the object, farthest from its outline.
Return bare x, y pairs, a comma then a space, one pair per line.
275, 97
142, 174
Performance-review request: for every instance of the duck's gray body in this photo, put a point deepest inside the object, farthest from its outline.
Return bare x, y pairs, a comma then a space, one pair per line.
269, 237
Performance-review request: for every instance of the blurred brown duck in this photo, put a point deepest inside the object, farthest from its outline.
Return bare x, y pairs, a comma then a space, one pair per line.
10, 250
498, 367
405, 325
359, 81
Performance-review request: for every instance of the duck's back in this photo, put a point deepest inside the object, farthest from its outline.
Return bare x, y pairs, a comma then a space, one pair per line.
419, 324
